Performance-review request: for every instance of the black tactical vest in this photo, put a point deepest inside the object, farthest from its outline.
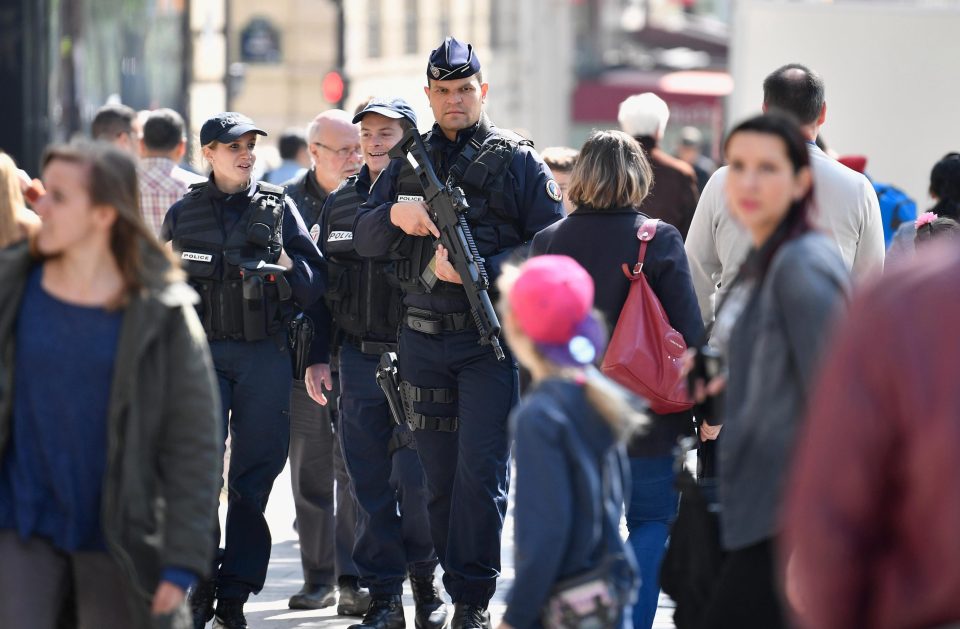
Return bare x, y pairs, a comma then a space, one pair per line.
363, 295
480, 169
212, 258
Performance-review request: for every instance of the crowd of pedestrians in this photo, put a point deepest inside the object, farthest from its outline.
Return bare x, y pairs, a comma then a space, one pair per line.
329, 315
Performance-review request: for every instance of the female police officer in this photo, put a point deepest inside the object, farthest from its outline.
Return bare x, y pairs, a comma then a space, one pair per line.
230, 234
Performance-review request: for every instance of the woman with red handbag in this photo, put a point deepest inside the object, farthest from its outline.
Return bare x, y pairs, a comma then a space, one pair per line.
608, 185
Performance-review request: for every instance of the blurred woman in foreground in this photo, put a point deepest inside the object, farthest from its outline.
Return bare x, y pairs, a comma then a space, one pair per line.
770, 328
109, 419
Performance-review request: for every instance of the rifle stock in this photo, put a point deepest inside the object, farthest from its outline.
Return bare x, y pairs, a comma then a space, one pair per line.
448, 208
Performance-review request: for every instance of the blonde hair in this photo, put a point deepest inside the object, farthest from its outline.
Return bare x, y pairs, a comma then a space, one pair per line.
611, 172
11, 201
613, 403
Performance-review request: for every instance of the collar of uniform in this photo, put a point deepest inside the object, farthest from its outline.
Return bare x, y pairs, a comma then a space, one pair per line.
217, 193
364, 180
463, 136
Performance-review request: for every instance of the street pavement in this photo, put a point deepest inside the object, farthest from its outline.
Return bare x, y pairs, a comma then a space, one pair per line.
268, 610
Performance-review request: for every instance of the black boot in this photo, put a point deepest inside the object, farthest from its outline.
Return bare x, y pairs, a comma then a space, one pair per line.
201, 598
230, 614
354, 600
431, 610
386, 612
313, 597
467, 616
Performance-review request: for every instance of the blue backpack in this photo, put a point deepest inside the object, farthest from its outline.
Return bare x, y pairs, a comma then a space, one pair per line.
896, 208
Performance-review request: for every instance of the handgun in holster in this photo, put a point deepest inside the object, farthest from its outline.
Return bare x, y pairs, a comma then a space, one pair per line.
388, 378
262, 284
300, 335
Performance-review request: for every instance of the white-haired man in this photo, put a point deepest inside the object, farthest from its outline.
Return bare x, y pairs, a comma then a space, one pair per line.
673, 197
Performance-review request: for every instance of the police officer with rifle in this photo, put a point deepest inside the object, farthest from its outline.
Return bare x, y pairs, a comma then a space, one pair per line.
249, 256
458, 381
363, 298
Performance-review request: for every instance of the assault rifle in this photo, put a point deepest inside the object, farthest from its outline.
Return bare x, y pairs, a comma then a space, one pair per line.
448, 208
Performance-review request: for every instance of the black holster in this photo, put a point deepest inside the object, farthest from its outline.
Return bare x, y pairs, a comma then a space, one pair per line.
300, 335
389, 380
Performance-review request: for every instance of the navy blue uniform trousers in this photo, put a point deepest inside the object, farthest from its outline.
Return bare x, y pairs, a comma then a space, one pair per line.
467, 471
254, 380
389, 542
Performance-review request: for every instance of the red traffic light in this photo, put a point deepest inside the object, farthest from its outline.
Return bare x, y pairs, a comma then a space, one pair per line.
332, 87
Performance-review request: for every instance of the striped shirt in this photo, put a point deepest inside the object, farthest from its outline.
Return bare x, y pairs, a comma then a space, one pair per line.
162, 183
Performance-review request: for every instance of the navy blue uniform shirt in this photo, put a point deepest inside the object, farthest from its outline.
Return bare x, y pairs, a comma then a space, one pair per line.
320, 349
525, 197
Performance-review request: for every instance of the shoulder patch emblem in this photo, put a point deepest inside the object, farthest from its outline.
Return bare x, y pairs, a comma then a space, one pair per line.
315, 232
553, 190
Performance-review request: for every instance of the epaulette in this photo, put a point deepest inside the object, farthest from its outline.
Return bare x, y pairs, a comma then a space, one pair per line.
196, 189
349, 181
513, 137
269, 188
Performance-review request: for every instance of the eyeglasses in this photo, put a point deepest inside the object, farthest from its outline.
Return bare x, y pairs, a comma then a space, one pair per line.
343, 153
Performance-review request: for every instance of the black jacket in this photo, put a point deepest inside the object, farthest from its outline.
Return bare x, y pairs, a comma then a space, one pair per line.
601, 241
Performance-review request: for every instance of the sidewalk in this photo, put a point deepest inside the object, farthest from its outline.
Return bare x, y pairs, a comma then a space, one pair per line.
269, 609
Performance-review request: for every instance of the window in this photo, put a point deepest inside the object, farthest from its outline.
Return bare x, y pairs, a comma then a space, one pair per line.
374, 29
445, 18
411, 19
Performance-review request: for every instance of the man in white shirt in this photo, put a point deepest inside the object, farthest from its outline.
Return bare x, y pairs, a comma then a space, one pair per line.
845, 204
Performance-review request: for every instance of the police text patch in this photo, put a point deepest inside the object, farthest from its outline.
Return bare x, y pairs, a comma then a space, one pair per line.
407, 198
339, 236
196, 257
553, 190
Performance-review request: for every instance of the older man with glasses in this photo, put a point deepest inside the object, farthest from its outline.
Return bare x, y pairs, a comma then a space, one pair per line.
326, 544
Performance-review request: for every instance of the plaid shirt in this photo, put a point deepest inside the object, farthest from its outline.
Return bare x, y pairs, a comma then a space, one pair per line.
162, 183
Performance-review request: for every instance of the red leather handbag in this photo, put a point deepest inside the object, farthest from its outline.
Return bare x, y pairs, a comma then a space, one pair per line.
645, 353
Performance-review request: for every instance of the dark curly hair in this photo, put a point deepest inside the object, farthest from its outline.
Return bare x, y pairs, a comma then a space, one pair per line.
945, 186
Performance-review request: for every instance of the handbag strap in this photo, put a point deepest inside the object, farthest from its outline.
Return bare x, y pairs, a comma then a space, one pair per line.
645, 234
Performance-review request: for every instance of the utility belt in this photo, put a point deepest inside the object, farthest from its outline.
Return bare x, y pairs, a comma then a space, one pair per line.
369, 346
429, 322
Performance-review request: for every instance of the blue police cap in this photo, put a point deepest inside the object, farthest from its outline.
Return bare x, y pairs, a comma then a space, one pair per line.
452, 60
395, 108
226, 127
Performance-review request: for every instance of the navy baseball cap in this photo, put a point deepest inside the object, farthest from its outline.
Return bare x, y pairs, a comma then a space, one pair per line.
452, 60
226, 127
395, 108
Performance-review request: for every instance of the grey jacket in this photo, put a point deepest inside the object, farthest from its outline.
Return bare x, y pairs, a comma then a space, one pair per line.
773, 352
159, 501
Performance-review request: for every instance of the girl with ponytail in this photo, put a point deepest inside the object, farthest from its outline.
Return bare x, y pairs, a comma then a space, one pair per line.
569, 433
